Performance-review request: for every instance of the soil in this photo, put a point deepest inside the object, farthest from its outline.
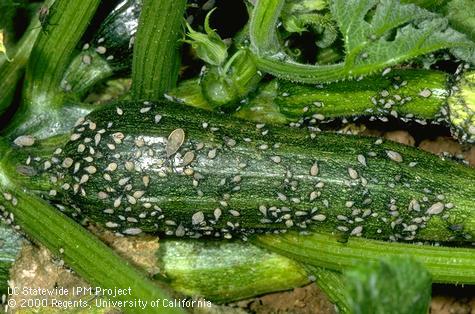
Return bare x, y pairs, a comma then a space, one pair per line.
306, 300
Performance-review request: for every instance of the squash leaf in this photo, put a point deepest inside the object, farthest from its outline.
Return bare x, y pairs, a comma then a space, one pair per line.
309, 15
376, 33
461, 15
384, 32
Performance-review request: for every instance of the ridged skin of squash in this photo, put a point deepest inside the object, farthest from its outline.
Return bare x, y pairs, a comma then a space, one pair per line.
147, 167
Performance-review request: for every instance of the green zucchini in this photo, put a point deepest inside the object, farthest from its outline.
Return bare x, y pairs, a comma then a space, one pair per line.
145, 167
116, 35
110, 50
418, 96
461, 108
411, 95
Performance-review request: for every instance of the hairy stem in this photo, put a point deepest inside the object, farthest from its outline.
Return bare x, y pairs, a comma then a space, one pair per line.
446, 264
333, 284
44, 93
264, 17
10, 72
272, 58
156, 52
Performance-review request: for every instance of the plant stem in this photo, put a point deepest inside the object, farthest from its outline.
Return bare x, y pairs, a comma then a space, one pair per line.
303, 73
65, 26
271, 57
44, 92
85, 254
10, 72
156, 51
233, 270
333, 284
264, 17
446, 264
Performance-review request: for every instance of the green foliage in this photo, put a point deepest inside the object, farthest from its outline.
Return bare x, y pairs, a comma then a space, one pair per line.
225, 80
461, 14
209, 47
394, 32
462, 18
301, 16
398, 286
433, 5
376, 34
